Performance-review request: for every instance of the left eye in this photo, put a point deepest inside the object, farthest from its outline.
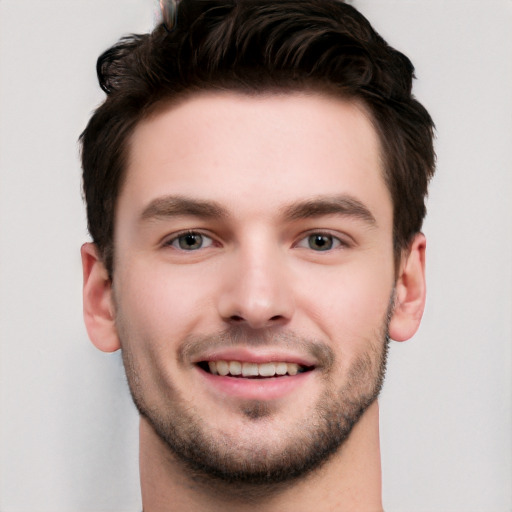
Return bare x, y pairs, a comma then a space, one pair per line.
190, 241
320, 242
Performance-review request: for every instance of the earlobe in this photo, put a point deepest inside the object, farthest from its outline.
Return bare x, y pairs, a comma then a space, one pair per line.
410, 292
98, 306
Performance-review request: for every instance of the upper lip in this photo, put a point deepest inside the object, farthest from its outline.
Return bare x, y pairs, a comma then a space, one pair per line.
247, 355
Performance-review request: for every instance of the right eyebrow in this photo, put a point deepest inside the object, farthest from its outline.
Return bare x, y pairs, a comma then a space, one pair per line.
174, 206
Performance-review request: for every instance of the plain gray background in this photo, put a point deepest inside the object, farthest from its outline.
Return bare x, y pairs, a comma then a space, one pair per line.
68, 431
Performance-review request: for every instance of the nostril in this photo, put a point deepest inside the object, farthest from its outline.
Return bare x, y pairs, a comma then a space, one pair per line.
238, 318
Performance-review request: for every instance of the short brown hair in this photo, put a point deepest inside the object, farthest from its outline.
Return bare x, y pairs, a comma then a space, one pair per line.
256, 46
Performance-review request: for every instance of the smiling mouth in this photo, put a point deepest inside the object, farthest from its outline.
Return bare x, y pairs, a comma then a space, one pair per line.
248, 370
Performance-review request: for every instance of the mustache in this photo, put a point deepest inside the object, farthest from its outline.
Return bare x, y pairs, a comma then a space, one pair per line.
195, 345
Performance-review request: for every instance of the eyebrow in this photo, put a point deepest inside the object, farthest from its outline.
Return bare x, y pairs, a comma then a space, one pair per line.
344, 205
175, 206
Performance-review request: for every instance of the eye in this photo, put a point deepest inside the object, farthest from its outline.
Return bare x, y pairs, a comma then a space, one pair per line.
190, 241
320, 242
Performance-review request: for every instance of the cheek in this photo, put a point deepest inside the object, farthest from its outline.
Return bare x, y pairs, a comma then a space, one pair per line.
352, 309
161, 306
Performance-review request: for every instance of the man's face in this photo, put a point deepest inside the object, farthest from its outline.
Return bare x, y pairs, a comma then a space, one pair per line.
254, 235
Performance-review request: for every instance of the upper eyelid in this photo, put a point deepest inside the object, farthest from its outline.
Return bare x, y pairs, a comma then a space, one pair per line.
170, 238
344, 238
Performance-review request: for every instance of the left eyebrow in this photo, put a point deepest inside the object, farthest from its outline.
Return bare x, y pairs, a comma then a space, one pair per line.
345, 205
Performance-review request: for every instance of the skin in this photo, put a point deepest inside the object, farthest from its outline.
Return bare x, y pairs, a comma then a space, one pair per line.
259, 162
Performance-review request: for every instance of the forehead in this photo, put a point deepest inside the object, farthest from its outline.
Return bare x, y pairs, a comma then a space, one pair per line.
255, 151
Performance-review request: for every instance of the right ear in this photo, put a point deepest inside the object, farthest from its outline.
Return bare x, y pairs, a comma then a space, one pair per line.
99, 313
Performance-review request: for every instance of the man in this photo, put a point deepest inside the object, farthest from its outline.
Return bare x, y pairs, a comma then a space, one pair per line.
255, 185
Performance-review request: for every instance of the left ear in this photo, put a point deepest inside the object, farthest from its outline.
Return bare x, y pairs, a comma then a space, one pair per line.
410, 291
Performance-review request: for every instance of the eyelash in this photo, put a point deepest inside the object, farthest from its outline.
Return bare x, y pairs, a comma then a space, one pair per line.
337, 241
304, 241
176, 237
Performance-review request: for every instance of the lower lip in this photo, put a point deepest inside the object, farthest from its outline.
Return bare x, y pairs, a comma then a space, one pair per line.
270, 388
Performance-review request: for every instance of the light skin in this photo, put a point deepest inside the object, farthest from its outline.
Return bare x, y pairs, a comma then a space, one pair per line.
255, 229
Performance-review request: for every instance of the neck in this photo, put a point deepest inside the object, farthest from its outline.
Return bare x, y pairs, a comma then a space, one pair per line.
349, 481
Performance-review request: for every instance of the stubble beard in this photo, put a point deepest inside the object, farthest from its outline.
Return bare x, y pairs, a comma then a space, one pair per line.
222, 461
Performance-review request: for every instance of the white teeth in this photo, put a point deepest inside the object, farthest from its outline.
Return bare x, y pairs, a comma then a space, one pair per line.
267, 369
222, 368
281, 368
237, 368
250, 370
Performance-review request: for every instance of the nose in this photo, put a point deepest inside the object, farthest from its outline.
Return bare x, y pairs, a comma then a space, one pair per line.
256, 290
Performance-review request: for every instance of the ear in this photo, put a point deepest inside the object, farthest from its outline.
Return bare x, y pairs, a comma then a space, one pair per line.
99, 313
410, 292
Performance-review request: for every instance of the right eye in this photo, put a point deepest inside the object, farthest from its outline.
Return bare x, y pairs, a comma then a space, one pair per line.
190, 241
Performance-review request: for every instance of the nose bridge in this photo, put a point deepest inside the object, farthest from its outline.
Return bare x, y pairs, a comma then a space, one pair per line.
258, 290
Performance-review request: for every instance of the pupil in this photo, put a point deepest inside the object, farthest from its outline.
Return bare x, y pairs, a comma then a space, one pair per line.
190, 241
320, 242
